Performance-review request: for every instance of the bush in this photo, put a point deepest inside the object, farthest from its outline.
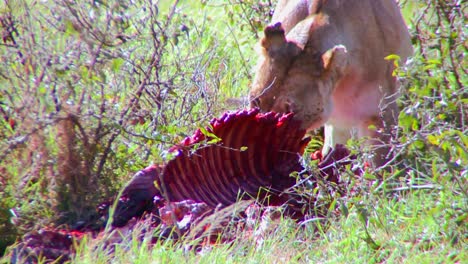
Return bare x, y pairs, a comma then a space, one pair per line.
94, 91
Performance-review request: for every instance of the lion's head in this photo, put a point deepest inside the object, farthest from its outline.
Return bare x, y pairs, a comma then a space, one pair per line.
292, 76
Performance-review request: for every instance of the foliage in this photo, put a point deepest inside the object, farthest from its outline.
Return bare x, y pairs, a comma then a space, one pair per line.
91, 92
433, 121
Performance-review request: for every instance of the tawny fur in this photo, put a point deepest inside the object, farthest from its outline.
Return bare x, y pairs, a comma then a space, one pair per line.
324, 60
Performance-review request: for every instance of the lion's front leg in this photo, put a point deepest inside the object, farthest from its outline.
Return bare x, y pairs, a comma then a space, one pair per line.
334, 135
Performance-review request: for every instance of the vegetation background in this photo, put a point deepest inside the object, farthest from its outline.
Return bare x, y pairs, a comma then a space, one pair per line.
93, 91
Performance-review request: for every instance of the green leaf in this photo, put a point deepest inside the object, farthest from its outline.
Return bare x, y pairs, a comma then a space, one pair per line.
344, 209
369, 176
441, 116
392, 57
371, 242
372, 128
434, 140
415, 124
408, 122
214, 141
117, 64
430, 67
213, 138
434, 61
42, 89
419, 144
70, 29
396, 60
363, 214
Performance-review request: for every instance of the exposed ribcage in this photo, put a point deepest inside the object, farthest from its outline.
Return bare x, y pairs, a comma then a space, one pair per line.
255, 151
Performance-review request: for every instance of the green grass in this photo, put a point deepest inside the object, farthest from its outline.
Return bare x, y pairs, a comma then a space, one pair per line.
417, 214
417, 226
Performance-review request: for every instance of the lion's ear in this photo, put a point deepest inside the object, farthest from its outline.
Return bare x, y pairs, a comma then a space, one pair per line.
274, 37
301, 32
335, 59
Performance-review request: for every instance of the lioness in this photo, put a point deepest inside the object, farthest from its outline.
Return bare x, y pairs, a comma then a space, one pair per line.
324, 61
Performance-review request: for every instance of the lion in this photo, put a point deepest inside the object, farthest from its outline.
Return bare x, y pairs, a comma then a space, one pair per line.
324, 60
